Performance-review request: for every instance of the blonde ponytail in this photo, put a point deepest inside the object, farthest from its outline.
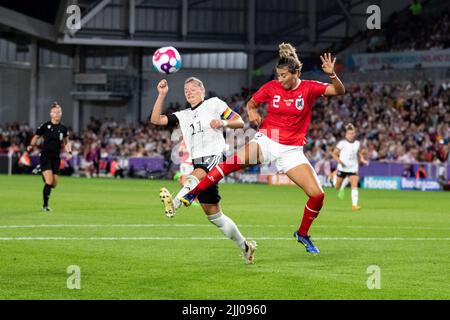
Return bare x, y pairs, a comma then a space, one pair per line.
286, 50
288, 58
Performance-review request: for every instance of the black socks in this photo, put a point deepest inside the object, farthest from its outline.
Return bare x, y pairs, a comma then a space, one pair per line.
46, 193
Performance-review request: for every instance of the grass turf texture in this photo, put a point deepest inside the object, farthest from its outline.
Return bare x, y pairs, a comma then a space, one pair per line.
211, 267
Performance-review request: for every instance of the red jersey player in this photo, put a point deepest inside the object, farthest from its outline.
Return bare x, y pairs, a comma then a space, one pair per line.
282, 134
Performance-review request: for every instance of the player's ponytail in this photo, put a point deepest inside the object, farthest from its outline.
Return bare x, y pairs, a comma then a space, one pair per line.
349, 127
288, 58
55, 104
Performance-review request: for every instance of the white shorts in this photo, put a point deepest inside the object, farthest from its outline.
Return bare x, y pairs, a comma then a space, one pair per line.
285, 157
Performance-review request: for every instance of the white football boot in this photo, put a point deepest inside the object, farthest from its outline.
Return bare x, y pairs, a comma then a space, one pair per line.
167, 200
250, 251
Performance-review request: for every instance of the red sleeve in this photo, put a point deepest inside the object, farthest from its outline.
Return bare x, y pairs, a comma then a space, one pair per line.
262, 95
318, 88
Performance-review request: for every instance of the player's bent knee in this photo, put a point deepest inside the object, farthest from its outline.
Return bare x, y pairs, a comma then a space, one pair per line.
315, 202
320, 196
210, 209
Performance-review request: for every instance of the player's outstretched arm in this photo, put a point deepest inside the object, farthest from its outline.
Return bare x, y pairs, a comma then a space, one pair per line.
157, 118
361, 156
235, 122
229, 119
336, 88
33, 143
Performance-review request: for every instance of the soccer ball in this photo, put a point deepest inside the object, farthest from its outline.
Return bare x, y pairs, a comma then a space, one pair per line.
167, 60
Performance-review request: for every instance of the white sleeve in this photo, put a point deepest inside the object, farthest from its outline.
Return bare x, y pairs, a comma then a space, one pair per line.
220, 106
180, 116
340, 145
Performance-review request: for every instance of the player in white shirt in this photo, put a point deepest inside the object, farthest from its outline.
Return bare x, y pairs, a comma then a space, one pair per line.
348, 156
202, 127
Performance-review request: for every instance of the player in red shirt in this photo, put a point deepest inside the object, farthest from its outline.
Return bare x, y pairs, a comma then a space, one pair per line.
282, 133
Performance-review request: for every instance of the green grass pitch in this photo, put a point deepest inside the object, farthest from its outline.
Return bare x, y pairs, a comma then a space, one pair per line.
125, 247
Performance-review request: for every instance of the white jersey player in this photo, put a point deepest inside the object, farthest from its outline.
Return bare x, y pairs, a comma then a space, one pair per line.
348, 156
202, 140
202, 127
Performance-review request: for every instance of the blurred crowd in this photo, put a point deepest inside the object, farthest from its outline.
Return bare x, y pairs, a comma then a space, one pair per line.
412, 29
405, 122
100, 140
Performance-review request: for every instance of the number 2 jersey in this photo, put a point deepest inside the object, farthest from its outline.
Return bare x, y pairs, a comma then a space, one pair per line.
202, 140
289, 111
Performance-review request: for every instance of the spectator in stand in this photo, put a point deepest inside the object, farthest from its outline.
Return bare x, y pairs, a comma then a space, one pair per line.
421, 172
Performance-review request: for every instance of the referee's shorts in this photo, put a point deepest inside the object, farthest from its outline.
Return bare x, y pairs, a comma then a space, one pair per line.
50, 162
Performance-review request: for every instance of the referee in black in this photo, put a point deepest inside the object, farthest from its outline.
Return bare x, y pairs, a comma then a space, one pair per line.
54, 135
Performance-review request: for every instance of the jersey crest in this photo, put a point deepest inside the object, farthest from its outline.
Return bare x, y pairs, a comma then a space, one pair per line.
299, 103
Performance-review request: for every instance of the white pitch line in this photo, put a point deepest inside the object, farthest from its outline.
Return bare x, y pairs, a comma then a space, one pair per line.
209, 238
33, 226
188, 225
386, 227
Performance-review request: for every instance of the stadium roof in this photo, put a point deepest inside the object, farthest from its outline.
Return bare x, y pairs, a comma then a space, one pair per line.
253, 26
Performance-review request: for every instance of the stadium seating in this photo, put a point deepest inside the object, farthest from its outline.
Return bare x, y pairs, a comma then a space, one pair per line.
405, 122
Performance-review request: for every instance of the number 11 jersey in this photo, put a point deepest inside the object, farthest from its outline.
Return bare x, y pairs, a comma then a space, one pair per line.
200, 138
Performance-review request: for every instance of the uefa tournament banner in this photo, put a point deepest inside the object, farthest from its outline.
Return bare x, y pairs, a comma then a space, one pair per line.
400, 60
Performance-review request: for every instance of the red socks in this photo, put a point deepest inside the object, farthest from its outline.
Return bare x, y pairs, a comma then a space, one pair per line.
231, 164
311, 211
216, 174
